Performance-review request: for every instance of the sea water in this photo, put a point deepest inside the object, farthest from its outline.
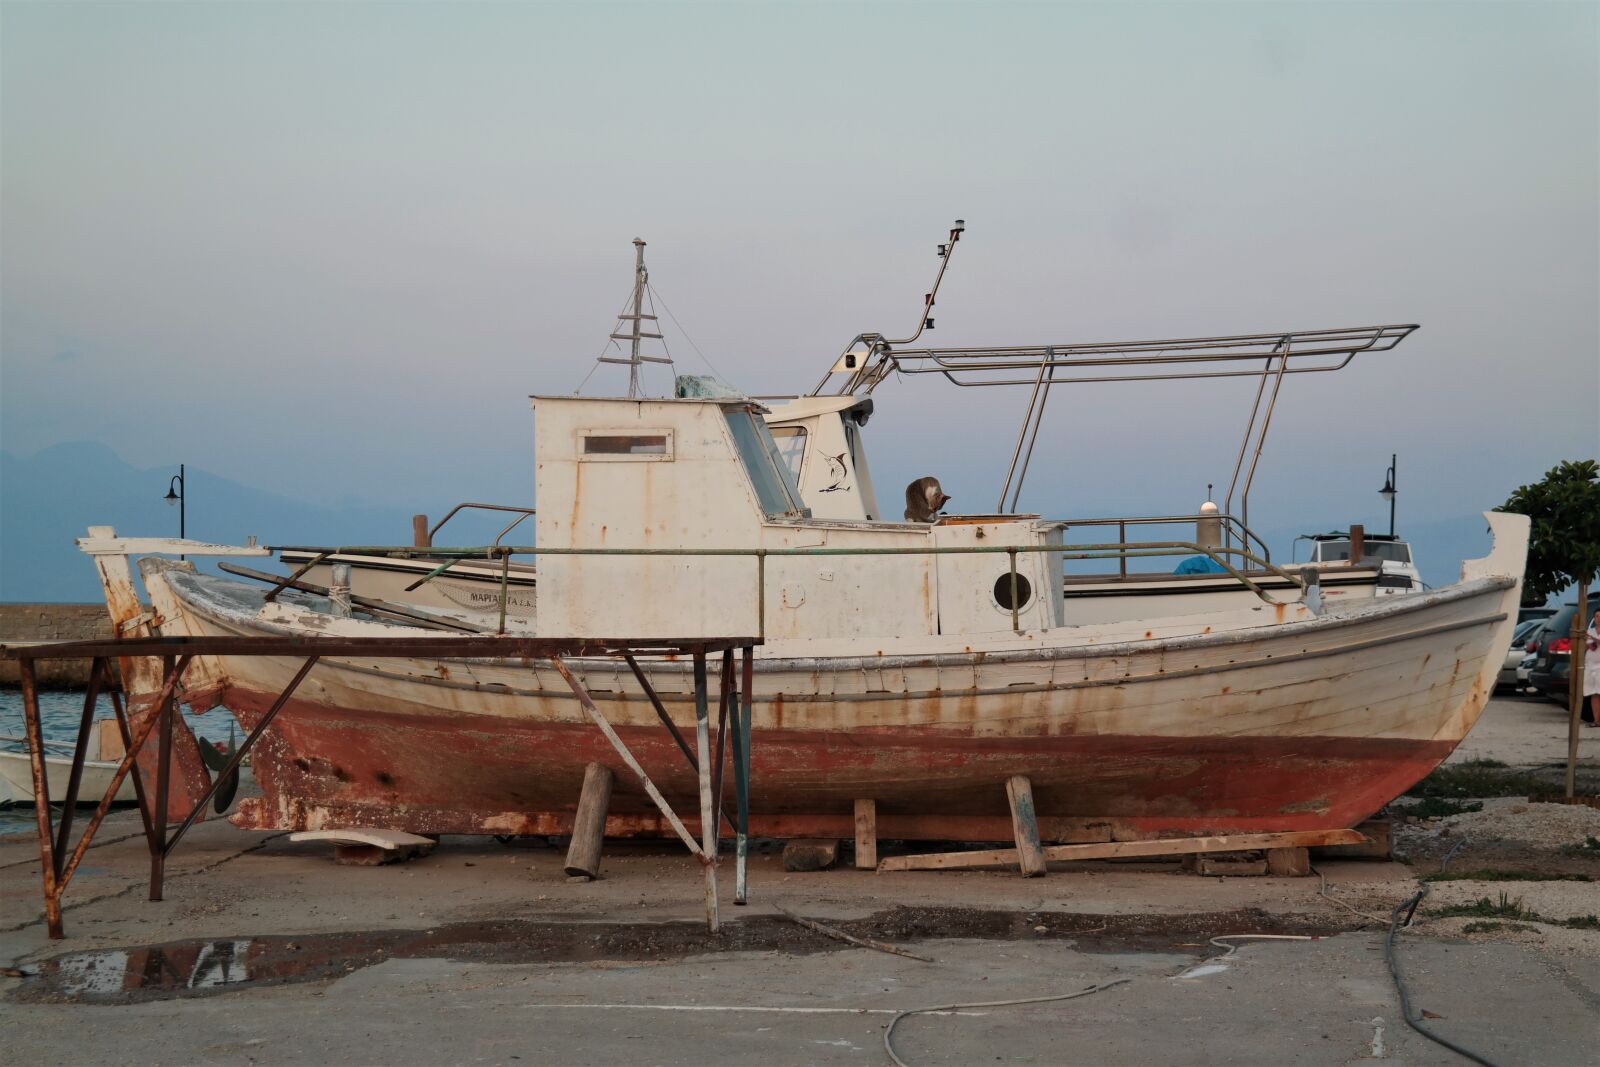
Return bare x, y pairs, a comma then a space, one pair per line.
59, 713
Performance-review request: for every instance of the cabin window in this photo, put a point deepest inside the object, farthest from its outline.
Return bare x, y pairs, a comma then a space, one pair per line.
1002, 591
791, 442
1385, 551
619, 444
775, 487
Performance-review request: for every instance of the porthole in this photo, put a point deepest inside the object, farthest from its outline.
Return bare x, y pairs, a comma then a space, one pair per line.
1002, 591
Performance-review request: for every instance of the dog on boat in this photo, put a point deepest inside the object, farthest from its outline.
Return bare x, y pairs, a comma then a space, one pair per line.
924, 498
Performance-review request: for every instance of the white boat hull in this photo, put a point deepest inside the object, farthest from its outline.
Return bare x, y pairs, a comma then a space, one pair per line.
16, 780
1262, 720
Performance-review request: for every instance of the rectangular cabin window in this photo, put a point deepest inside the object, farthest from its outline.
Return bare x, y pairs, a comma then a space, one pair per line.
758, 453
791, 442
1383, 551
624, 445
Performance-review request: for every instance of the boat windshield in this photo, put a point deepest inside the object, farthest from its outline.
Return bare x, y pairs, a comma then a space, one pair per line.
1386, 551
775, 487
791, 442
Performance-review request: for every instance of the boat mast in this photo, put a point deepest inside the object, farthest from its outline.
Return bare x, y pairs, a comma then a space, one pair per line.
635, 331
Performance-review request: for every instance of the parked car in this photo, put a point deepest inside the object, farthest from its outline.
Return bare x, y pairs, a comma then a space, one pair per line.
1525, 674
1552, 664
1525, 614
1531, 647
1517, 653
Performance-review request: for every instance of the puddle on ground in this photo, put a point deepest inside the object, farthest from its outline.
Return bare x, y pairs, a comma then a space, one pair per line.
201, 968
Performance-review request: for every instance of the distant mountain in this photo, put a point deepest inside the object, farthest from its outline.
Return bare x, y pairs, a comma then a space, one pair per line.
51, 497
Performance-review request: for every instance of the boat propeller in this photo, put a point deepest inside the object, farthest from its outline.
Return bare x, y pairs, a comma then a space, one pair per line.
216, 759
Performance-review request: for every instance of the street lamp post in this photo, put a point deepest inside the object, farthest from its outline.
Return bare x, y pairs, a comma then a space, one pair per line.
1388, 491
177, 497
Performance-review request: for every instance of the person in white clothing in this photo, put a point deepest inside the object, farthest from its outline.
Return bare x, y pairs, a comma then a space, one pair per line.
1591, 675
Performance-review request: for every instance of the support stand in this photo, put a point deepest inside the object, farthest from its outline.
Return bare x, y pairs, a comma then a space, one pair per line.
866, 835
589, 825
1171, 846
1025, 826
176, 653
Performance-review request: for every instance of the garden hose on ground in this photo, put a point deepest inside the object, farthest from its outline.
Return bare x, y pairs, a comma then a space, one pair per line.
1409, 906
888, 1034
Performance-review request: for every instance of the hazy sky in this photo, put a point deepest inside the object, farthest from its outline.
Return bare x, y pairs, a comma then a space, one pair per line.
329, 249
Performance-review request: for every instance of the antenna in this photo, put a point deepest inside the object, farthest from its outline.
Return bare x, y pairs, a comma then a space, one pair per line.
872, 365
635, 330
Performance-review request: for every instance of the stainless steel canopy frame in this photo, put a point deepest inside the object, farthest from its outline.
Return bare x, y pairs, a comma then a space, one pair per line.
870, 358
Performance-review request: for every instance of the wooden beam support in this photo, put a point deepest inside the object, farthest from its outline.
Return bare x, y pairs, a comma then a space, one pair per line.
589, 825
1172, 846
1025, 826
866, 835
1289, 862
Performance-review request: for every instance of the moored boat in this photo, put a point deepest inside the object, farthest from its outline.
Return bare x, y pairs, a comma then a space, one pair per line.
16, 779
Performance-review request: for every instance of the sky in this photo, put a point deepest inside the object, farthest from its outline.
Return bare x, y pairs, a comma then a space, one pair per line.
328, 250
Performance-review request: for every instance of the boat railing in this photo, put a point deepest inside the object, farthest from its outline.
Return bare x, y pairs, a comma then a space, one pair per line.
1243, 560
1232, 529
64, 746
521, 513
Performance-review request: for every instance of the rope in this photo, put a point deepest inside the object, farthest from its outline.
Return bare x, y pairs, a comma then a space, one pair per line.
1330, 898
611, 343
671, 367
888, 1035
656, 295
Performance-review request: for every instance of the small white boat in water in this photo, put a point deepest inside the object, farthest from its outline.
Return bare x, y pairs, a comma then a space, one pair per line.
16, 776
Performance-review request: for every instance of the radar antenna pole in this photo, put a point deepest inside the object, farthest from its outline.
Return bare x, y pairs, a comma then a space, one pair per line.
870, 368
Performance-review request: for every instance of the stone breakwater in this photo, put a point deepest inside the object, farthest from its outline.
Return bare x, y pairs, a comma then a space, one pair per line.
52, 622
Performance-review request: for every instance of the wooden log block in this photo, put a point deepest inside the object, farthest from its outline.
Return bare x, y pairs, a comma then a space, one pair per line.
1025, 826
1226, 864
1171, 846
866, 835
1379, 843
813, 855
1288, 862
419, 531
589, 825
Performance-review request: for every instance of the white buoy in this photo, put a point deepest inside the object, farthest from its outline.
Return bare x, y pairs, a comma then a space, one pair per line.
1208, 527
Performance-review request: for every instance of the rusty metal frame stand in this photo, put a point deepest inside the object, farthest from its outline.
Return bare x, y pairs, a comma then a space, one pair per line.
57, 869
176, 653
708, 817
708, 768
741, 774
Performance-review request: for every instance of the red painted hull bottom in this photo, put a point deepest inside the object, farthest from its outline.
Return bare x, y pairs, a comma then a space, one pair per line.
323, 767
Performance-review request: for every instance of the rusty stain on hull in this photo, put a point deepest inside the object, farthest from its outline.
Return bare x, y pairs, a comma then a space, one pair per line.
451, 774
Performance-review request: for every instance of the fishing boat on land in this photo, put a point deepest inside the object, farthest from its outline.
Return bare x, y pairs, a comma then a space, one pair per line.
917, 665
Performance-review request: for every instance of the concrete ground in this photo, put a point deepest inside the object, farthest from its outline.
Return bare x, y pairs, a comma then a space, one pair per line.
267, 952
1527, 731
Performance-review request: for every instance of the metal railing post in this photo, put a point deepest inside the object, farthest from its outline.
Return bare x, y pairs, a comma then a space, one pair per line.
1015, 624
